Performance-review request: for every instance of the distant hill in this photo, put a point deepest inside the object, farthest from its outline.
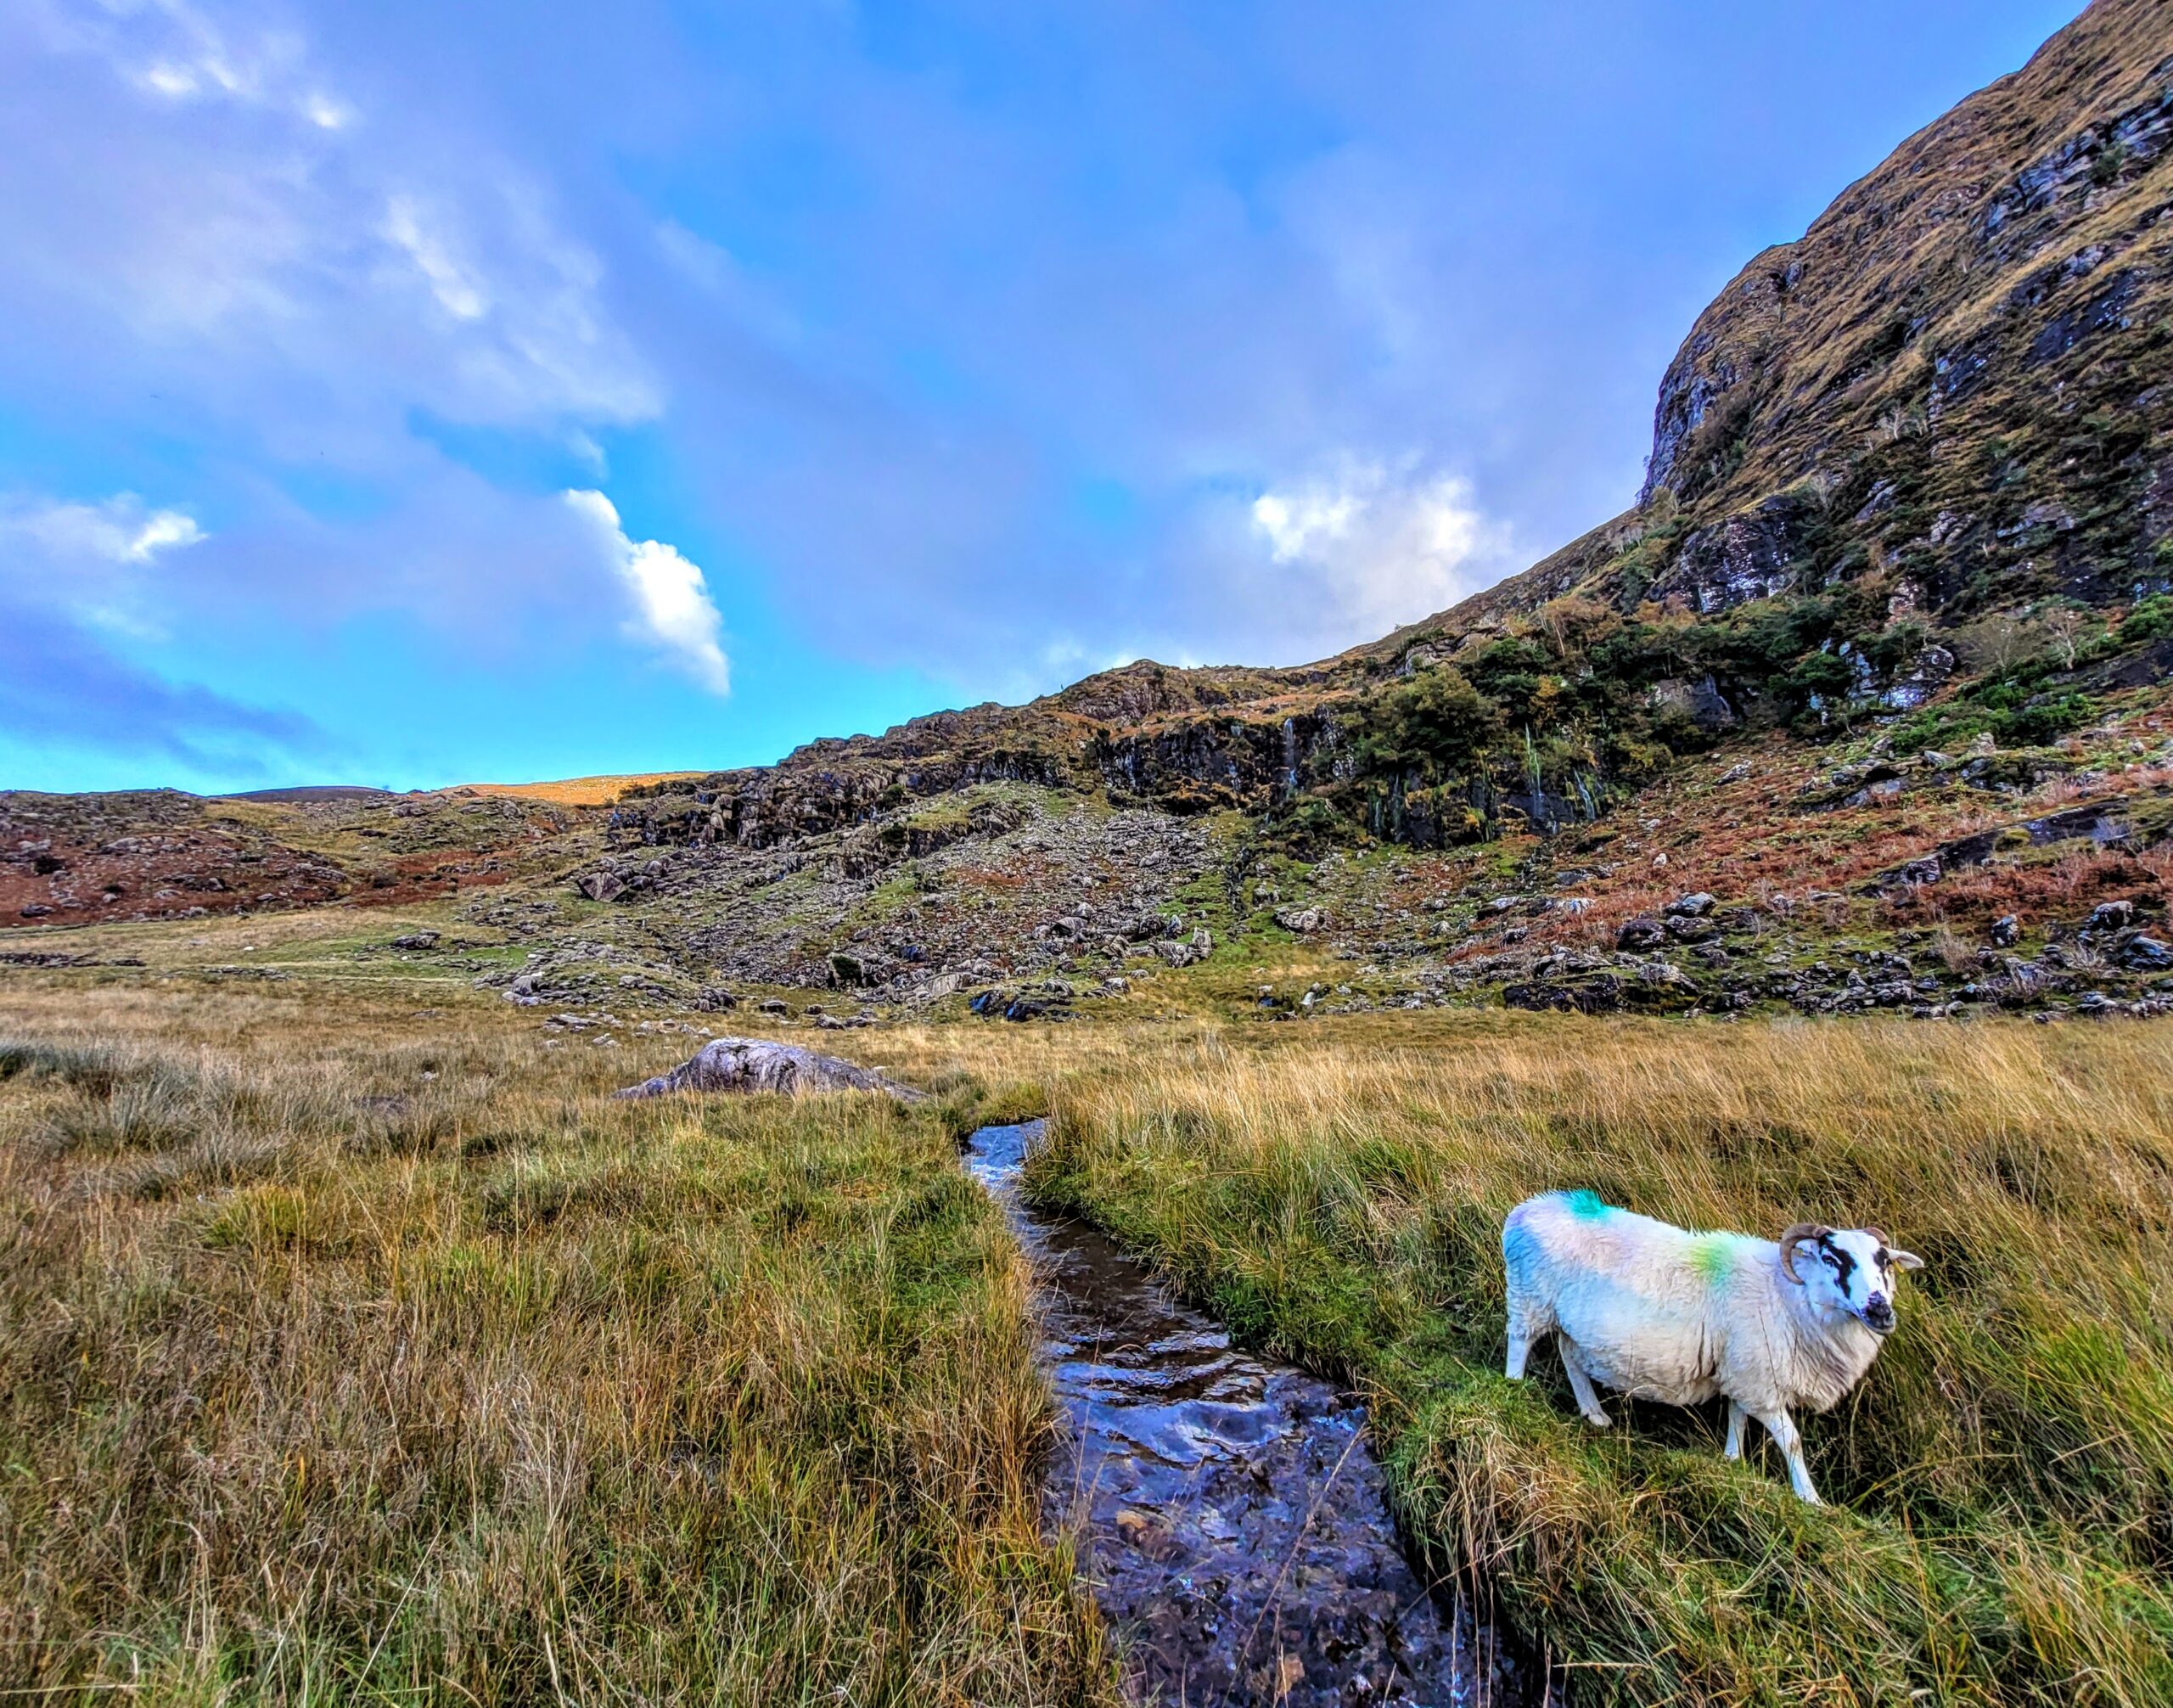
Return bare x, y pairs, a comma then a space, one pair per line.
583, 791
311, 791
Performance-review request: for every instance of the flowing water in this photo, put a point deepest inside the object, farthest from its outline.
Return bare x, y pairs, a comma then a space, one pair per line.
1234, 1516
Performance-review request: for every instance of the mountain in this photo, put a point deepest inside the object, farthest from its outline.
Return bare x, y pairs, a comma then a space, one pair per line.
1939, 416
1899, 578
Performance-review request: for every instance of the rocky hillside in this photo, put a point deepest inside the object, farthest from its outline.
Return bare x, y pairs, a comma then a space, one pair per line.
154, 854
1877, 664
1917, 462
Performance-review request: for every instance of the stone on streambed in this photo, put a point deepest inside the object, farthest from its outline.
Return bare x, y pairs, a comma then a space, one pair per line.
757, 1065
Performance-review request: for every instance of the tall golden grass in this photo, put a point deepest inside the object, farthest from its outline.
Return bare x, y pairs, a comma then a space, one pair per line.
351, 1349
2004, 1479
347, 1355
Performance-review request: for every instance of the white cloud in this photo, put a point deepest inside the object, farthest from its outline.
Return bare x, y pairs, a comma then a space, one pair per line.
95, 562
454, 287
257, 247
1381, 543
119, 531
670, 593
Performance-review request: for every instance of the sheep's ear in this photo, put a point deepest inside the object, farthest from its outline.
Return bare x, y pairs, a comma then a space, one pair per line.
1904, 1260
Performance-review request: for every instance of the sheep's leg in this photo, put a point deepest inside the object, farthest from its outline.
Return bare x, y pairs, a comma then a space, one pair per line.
1581, 1383
1733, 1450
1520, 1339
1782, 1429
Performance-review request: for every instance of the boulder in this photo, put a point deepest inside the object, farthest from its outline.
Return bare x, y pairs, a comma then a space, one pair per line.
1302, 920
2145, 955
1692, 907
715, 999
417, 940
600, 886
2111, 916
762, 1064
2007, 931
1639, 934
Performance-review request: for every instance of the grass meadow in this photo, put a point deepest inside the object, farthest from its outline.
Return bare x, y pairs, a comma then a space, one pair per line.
348, 1357
2002, 1524
354, 1351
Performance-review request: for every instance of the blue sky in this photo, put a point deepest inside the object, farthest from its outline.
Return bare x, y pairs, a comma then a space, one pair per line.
414, 394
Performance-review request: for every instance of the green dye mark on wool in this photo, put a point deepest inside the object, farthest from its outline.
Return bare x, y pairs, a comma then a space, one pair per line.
1586, 1205
1711, 1256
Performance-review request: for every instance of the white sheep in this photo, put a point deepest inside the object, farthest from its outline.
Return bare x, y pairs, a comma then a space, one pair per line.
1660, 1313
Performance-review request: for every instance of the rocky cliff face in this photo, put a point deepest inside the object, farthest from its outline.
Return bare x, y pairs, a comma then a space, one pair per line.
1966, 356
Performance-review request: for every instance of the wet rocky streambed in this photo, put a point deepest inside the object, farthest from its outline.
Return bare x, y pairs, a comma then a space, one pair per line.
1233, 1519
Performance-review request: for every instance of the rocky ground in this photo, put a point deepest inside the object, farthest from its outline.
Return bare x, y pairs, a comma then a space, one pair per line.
1772, 877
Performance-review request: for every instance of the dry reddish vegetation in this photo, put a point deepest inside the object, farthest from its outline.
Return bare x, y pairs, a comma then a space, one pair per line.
415, 877
73, 860
51, 876
2062, 887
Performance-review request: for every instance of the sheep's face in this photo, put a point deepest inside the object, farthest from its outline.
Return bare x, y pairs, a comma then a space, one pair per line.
1850, 1272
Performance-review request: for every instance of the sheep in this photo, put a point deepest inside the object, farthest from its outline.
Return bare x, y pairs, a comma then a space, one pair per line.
1660, 1313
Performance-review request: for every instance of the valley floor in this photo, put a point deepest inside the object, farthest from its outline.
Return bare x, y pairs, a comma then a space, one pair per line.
353, 1341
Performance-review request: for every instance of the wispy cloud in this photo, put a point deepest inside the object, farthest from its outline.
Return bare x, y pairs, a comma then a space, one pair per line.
119, 529
100, 562
671, 596
269, 250
1384, 543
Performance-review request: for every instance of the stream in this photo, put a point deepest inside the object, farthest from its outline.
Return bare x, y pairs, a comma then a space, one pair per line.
1233, 1518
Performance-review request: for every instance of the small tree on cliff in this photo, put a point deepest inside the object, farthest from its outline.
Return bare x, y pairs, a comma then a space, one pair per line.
1434, 723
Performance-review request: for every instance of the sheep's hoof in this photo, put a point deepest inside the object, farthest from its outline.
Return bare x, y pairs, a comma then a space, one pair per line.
1599, 1420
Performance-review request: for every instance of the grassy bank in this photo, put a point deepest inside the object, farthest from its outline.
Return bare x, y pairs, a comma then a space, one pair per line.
353, 1355
2003, 1530
350, 1347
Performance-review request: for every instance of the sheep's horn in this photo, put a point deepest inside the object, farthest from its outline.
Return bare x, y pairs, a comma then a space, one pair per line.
1795, 1237
1877, 1233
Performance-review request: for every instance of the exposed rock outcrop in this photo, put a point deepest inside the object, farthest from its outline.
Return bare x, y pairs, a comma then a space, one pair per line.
762, 1065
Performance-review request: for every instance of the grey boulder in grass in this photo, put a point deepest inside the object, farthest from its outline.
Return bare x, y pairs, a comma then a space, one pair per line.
757, 1065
